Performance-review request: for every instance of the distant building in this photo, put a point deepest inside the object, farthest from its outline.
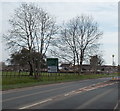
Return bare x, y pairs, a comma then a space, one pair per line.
2, 65
108, 69
118, 68
64, 67
94, 63
87, 69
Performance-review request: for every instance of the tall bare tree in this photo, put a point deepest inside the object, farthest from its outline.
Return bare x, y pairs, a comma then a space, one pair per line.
31, 28
79, 39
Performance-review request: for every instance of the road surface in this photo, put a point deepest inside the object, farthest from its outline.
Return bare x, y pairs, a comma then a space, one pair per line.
85, 94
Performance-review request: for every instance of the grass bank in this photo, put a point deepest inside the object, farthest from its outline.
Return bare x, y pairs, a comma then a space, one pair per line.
11, 82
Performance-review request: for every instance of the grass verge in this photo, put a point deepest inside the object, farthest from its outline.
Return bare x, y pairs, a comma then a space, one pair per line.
19, 82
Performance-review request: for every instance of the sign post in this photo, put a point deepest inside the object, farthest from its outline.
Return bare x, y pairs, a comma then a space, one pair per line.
52, 64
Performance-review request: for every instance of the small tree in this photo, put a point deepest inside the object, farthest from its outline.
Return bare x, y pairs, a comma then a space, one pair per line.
22, 58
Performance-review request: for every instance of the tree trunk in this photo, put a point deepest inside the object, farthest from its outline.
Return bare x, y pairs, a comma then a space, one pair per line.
31, 69
80, 68
74, 63
81, 61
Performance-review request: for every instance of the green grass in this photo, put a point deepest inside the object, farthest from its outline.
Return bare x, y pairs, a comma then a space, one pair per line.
45, 78
5, 73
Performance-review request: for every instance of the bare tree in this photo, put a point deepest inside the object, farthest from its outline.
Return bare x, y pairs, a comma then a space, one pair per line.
31, 28
79, 39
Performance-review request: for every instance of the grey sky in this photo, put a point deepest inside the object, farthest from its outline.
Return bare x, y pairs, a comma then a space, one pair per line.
105, 13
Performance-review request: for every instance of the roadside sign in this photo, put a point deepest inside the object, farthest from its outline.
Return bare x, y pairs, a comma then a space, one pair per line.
52, 64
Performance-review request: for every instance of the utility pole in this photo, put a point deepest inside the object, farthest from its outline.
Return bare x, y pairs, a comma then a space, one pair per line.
113, 62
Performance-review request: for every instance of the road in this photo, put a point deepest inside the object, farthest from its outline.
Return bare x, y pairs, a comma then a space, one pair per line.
85, 94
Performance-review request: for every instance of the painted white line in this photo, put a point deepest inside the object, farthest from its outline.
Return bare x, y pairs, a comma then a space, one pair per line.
13, 98
70, 93
78, 92
96, 98
40, 86
50, 90
92, 88
41, 102
66, 94
73, 91
116, 106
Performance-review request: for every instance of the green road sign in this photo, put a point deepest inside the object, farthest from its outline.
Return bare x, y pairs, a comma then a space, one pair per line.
52, 64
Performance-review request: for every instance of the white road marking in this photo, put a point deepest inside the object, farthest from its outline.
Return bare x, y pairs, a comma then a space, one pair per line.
13, 98
84, 89
89, 88
41, 102
116, 105
84, 105
9, 99
41, 86
66, 95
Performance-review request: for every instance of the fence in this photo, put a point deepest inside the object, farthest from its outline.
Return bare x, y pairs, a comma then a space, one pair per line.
43, 76
12, 73
15, 77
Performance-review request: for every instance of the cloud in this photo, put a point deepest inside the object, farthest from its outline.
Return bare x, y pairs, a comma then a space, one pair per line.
110, 46
110, 38
59, 0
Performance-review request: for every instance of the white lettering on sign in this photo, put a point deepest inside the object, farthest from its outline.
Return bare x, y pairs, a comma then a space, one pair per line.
52, 68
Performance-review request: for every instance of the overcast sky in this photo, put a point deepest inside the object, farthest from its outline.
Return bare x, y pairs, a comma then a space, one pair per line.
104, 13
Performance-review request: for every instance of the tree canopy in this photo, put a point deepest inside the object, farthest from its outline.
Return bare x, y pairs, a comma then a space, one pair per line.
22, 58
79, 38
32, 28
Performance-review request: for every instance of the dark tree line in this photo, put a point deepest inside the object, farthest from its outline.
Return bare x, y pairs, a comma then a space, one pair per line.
22, 59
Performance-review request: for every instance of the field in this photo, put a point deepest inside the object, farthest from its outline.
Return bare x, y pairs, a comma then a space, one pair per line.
12, 80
